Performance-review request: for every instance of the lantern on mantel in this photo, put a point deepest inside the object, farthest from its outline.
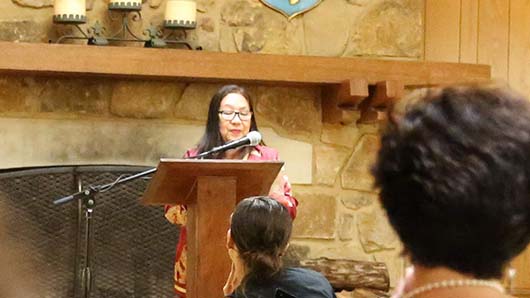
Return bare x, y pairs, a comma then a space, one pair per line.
69, 11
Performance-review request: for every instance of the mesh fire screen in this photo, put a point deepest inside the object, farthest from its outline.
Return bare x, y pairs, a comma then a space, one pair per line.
132, 246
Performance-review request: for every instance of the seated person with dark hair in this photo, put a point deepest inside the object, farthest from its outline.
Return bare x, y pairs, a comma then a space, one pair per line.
259, 234
454, 176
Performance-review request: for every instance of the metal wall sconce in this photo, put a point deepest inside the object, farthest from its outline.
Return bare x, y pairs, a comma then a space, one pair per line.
179, 15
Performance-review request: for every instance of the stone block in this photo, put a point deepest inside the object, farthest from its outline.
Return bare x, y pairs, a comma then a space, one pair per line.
326, 28
294, 111
375, 232
328, 162
205, 6
294, 254
89, 4
252, 27
154, 3
356, 174
294, 38
363, 293
248, 40
342, 135
355, 200
280, 36
240, 13
395, 263
44, 142
359, 2
316, 215
298, 156
388, 28
206, 24
55, 95
24, 31
346, 229
227, 41
195, 101
34, 3
87, 96
144, 99
12, 94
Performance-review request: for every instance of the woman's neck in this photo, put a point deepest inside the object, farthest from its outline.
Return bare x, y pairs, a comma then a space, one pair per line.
425, 277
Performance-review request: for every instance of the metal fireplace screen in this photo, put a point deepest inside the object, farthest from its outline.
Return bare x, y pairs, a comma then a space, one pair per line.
132, 246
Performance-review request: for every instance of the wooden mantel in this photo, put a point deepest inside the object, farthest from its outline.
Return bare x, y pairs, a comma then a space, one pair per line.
40, 58
346, 80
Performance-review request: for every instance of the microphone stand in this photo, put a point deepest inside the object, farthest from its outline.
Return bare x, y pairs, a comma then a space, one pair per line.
87, 198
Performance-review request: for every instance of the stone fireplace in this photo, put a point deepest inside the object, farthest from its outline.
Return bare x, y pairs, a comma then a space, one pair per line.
58, 130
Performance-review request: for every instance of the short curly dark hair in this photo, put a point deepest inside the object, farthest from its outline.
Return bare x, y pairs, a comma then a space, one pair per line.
454, 178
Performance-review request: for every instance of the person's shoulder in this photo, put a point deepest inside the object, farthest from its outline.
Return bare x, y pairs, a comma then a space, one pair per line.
308, 282
267, 152
305, 273
191, 152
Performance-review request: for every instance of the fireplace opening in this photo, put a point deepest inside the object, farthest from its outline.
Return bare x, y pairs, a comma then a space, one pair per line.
131, 247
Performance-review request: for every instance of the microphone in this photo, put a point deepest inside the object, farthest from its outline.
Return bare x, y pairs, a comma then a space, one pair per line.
251, 139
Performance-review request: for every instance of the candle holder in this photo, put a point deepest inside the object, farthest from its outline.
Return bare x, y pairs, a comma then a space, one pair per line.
128, 13
157, 39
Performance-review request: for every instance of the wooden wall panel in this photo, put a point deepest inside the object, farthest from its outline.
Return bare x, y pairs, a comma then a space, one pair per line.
442, 27
519, 79
519, 53
493, 32
521, 283
468, 31
493, 36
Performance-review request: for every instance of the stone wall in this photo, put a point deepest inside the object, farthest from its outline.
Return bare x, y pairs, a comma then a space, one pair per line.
50, 120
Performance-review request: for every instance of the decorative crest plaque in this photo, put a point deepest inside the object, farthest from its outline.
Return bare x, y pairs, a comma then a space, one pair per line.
291, 8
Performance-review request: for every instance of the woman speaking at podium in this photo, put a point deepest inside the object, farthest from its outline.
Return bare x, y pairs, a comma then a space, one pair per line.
230, 117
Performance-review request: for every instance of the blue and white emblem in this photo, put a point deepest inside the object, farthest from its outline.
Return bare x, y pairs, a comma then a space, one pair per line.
291, 8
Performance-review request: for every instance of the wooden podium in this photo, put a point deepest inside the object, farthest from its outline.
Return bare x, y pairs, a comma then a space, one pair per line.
210, 189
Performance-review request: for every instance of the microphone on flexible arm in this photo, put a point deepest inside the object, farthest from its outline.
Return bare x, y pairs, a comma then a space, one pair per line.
251, 139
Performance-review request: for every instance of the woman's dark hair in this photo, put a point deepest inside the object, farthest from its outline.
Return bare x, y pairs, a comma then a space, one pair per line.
212, 137
261, 228
454, 175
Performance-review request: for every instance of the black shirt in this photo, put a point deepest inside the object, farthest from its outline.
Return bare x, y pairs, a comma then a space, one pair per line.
289, 283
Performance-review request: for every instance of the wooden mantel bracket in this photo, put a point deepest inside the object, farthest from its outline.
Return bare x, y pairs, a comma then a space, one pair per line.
382, 96
340, 101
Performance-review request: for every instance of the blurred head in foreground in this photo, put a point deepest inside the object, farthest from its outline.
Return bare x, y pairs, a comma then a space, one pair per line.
454, 177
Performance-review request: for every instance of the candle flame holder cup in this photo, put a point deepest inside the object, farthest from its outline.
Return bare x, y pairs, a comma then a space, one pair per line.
125, 5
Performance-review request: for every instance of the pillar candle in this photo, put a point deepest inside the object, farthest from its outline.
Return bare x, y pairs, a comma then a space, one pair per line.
69, 10
181, 13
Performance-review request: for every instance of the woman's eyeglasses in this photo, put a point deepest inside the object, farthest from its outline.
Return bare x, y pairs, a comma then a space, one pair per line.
231, 115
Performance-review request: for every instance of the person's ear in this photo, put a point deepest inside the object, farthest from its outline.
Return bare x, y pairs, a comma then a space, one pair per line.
284, 250
229, 241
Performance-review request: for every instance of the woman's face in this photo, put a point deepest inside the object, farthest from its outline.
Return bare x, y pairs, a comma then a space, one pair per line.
231, 126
